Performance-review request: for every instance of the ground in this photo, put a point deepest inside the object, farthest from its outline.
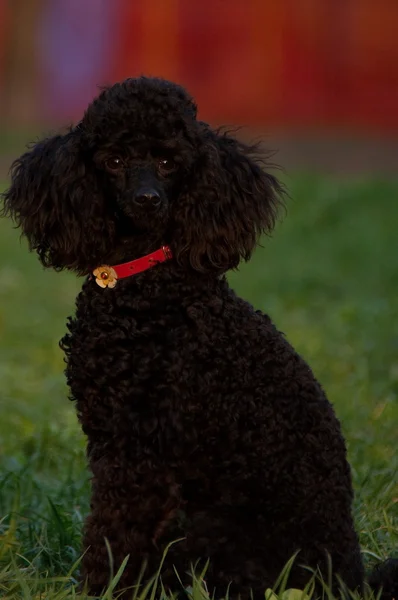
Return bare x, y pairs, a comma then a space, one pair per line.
329, 279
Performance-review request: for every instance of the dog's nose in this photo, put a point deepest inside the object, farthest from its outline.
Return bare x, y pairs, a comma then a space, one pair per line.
149, 198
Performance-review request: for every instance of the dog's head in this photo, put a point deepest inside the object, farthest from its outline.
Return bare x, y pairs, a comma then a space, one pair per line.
137, 172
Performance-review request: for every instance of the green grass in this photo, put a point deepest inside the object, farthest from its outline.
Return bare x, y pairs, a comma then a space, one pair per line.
329, 279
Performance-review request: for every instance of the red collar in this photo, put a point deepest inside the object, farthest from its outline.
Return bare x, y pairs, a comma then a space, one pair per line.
106, 276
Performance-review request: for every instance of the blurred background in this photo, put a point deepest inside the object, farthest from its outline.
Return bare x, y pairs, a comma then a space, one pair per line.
317, 78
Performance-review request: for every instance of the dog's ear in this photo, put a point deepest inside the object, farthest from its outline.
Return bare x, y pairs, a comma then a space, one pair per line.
54, 199
229, 201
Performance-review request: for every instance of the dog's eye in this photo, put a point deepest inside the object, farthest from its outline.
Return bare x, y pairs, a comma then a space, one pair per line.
114, 163
167, 165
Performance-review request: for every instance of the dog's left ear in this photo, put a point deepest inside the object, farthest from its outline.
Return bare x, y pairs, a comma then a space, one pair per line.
228, 203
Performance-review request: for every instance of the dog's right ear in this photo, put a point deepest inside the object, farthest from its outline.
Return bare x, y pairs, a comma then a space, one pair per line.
54, 199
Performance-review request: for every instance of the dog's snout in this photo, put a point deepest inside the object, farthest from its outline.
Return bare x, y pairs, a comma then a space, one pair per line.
148, 197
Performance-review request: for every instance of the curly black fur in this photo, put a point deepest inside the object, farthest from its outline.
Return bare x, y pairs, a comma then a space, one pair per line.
202, 421
385, 576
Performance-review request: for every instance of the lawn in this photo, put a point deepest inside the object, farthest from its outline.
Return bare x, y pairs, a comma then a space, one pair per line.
329, 279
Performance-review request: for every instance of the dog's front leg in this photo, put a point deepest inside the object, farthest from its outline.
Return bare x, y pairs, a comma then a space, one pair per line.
133, 506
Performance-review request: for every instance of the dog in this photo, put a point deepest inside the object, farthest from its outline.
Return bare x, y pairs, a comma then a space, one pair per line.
203, 424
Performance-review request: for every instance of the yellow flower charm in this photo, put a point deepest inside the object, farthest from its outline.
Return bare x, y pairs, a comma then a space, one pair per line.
105, 276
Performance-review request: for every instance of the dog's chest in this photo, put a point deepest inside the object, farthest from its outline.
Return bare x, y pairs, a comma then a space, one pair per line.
150, 380
145, 358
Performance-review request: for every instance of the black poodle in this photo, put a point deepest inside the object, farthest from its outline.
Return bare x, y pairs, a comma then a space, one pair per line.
203, 424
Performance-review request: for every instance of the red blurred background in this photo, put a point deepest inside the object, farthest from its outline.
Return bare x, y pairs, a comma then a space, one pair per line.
327, 66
